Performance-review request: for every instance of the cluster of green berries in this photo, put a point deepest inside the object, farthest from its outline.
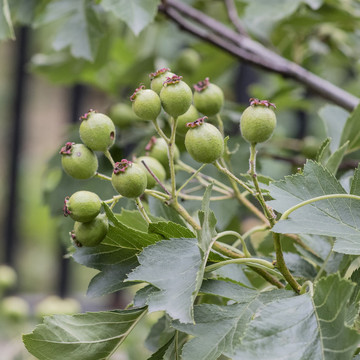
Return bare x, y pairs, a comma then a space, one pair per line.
203, 141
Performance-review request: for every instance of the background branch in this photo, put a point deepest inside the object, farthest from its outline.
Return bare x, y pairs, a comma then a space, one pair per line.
248, 50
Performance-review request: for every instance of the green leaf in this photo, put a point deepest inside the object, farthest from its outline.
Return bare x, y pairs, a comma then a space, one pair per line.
170, 230
157, 208
91, 336
351, 130
273, 324
172, 266
339, 218
334, 119
80, 28
6, 26
336, 157
137, 14
323, 152
218, 329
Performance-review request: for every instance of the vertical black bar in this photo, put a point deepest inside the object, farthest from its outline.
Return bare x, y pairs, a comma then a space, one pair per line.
75, 97
15, 146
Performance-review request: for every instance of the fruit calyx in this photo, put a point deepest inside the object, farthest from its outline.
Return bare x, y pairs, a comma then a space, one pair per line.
137, 90
158, 73
67, 149
202, 85
121, 166
73, 237
150, 144
87, 114
197, 122
66, 210
257, 102
172, 80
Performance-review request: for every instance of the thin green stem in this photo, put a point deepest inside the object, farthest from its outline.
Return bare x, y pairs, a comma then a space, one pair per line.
220, 246
160, 132
184, 214
114, 198
230, 175
318, 198
246, 261
323, 265
171, 150
254, 230
190, 178
157, 194
109, 157
280, 264
200, 198
142, 211
102, 176
240, 239
307, 285
259, 195
220, 123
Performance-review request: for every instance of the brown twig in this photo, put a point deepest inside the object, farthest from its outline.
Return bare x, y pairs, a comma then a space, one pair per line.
233, 16
252, 52
156, 178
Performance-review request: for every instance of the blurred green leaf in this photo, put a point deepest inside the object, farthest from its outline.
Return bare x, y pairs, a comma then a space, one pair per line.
137, 14
6, 26
351, 131
90, 336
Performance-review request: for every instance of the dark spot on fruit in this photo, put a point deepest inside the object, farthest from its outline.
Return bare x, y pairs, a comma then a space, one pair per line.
78, 154
112, 135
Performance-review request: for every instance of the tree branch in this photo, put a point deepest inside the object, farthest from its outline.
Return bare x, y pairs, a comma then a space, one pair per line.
253, 52
233, 16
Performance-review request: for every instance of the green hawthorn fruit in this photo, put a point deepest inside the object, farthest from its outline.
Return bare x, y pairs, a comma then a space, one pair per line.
129, 179
82, 206
97, 131
14, 308
146, 103
158, 78
155, 166
55, 305
208, 98
175, 96
258, 121
8, 277
78, 161
158, 149
188, 61
91, 233
204, 141
190, 116
123, 115
310, 147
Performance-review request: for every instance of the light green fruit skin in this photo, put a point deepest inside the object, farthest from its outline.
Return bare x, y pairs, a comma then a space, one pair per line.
14, 308
93, 232
97, 132
188, 61
84, 206
8, 277
123, 115
155, 166
147, 105
190, 116
209, 101
204, 143
131, 183
158, 81
176, 98
53, 304
310, 147
257, 124
159, 152
81, 164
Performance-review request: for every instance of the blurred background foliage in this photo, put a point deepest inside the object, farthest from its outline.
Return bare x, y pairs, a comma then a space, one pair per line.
92, 54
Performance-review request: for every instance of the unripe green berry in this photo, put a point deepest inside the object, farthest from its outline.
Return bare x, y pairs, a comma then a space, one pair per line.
158, 78
54, 304
146, 103
158, 149
78, 161
188, 61
123, 115
310, 147
175, 96
82, 206
190, 116
258, 121
14, 308
97, 131
208, 98
129, 179
8, 277
155, 166
90, 233
204, 141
